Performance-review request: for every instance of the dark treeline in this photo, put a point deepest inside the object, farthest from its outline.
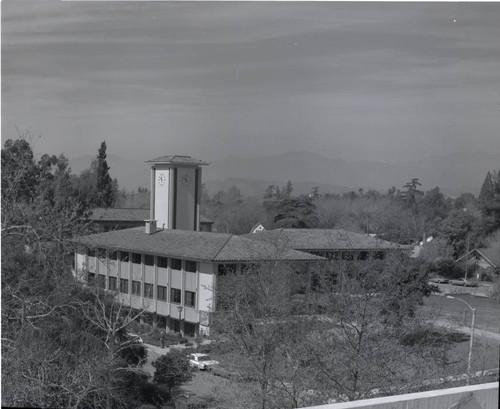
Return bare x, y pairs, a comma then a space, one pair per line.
404, 215
64, 345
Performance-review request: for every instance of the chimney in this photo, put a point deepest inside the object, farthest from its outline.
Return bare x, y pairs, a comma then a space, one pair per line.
150, 226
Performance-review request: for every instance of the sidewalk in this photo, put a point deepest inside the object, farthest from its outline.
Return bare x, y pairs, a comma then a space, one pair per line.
483, 290
467, 330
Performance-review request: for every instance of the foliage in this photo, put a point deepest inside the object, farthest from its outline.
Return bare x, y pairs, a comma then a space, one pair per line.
489, 199
295, 213
105, 189
372, 307
61, 347
172, 369
232, 212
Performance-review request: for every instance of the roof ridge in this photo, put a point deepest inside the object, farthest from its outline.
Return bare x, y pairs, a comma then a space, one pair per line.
224, 245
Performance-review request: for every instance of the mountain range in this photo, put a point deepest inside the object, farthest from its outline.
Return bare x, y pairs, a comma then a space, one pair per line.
454, 173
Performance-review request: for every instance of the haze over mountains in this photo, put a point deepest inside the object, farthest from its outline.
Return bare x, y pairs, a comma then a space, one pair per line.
454, 174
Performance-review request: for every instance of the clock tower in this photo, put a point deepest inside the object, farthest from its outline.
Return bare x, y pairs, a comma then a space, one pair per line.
175, 192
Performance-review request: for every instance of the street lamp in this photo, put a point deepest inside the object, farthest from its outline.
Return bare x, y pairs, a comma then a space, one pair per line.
471, 336
179, 308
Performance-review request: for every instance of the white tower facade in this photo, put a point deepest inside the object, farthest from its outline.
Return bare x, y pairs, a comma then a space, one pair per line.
176, 192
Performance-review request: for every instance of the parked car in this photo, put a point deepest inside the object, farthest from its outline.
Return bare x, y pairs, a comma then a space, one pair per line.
202, 361
463, 282
439, 279
134, 338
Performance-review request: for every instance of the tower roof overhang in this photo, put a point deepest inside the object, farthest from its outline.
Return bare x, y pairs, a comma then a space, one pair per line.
177, 160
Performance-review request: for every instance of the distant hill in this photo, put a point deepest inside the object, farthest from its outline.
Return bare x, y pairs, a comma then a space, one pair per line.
256, 188
454, 174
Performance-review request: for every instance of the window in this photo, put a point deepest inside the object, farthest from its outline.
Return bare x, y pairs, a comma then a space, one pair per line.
379, 255
191, 266
176, 264
124, 256
149, 260
123, 285
91, 253
101, 281
148, 290
112, 284
175, 296
91, 278
363, 255
332, 255
113, 255
347, 255
136, 288
136, 258
223, 269
189, 299
249, 268
162, 293
163, 262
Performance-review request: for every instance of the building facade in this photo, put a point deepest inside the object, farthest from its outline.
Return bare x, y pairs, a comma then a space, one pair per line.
169, 267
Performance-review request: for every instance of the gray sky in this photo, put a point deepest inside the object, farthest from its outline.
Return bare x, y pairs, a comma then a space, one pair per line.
381, 81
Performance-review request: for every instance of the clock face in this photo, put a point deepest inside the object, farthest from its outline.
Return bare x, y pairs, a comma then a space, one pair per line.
186, 180
162, 179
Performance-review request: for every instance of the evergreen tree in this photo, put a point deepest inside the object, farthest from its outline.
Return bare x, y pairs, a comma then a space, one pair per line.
106, 196
487, 190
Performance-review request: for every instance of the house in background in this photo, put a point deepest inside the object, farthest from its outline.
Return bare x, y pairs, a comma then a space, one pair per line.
482, 262
257, 228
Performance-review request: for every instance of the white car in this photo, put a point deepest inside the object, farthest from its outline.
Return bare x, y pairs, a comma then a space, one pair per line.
201, 361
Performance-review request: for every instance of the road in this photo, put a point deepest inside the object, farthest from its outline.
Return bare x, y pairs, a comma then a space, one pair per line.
487, 310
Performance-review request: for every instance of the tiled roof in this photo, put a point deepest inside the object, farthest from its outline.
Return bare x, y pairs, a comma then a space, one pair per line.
490, 254
194, 245
324, 239
178, 160
127, 215
119, 215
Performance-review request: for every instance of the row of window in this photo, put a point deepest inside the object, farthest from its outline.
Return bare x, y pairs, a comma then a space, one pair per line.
351, 255
161, 291
149, 260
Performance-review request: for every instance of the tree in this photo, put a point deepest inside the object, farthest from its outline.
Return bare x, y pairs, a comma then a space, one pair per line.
287, 190
54, 350
411, 194
106, 192
172, 369
261, 339
296, 213
489, 199
360, 348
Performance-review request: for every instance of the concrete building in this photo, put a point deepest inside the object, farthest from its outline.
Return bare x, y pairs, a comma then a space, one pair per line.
169, 266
